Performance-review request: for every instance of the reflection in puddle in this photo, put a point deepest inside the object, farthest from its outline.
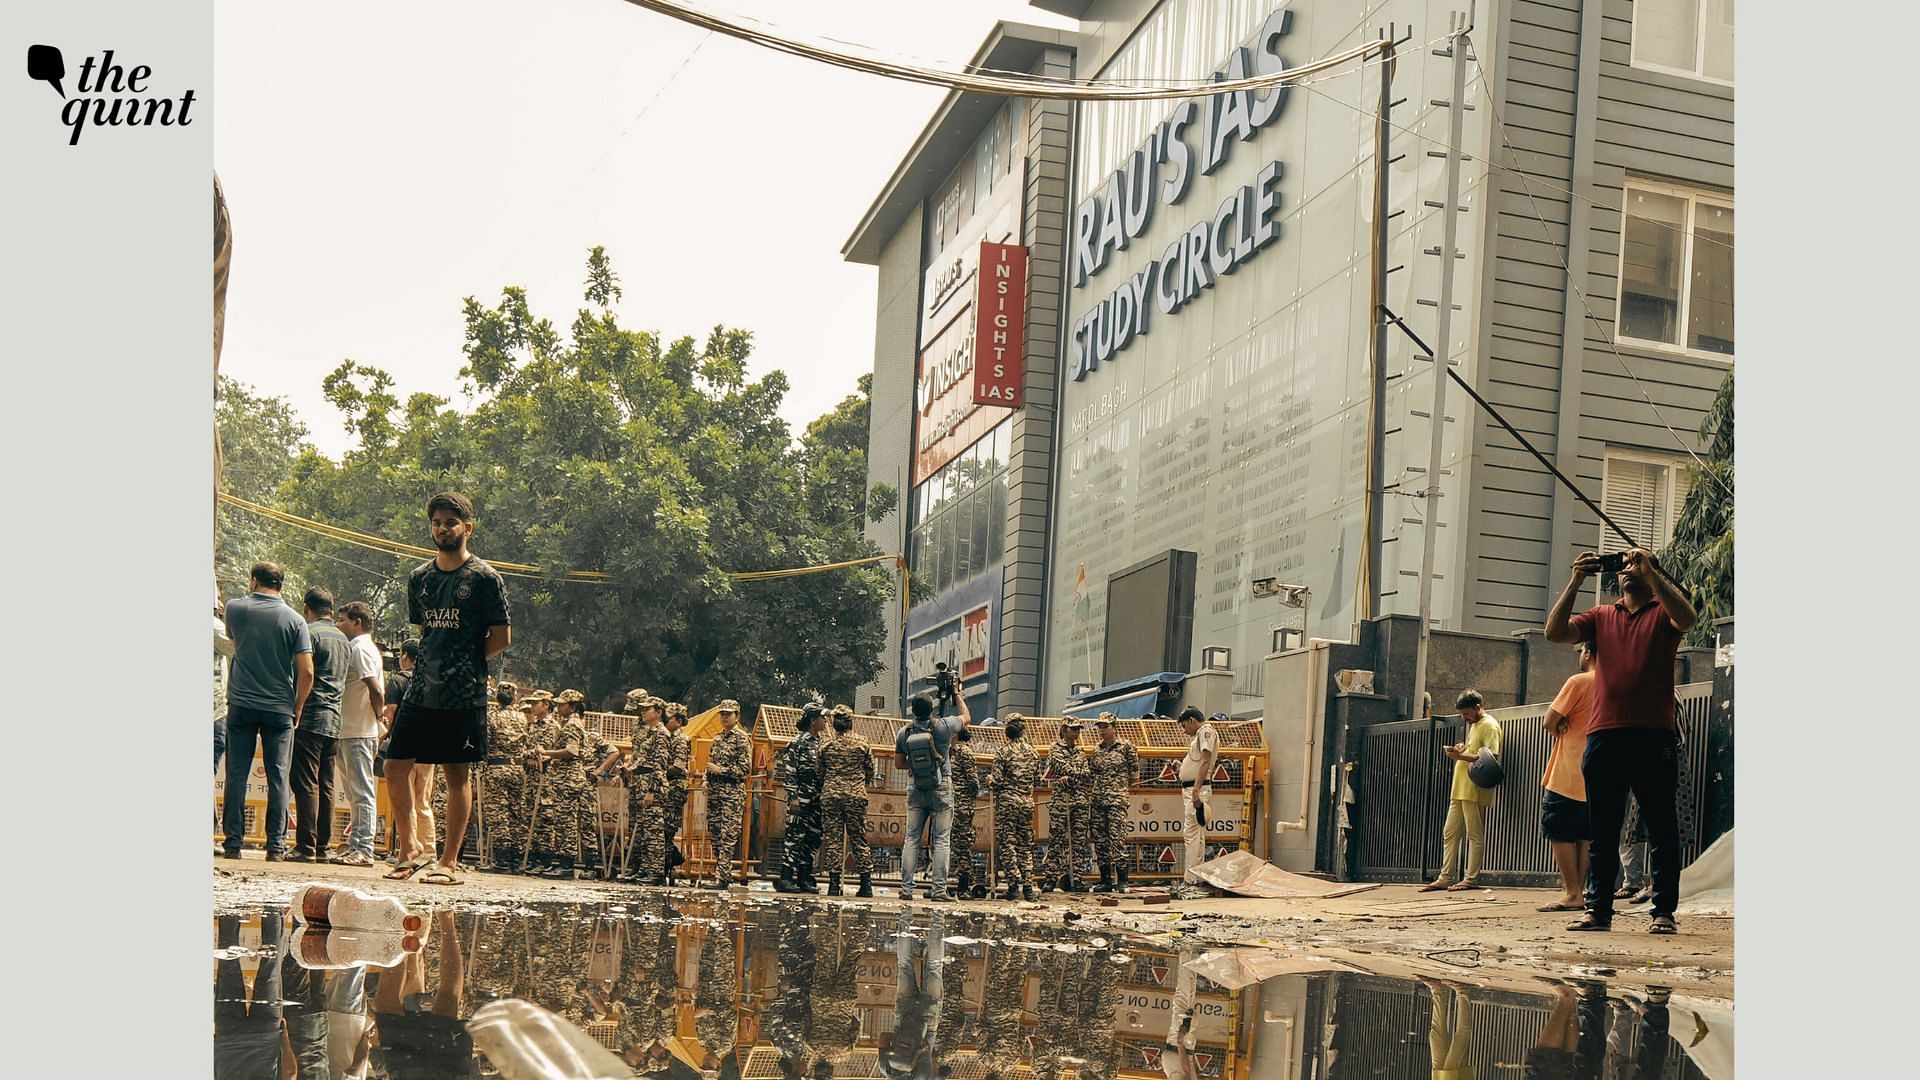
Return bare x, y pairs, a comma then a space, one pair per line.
705, 986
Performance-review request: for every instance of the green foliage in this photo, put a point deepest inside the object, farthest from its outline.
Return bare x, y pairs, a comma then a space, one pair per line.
260, 437
1701, 554
617, 450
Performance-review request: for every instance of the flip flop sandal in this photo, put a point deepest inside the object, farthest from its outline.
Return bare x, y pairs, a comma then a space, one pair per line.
403, 870
439, 875
1663, 924
1463, 886
1433, 886
1561, 907
1590, 923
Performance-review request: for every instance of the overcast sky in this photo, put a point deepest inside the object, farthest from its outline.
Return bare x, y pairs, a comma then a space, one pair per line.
383, 161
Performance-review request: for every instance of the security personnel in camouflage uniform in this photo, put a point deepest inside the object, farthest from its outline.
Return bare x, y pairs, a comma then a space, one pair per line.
784, 1022
798, 771
1067, 810
846, 772
564, 790
1115, 764
1015, 768
556, 834
1003, 1003
833, 1023
716, 1013
729, 763
571, 707
503, 782
965, 769
673, 803
645, 773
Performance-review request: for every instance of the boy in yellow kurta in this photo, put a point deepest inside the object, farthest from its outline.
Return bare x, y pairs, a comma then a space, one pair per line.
1467, 810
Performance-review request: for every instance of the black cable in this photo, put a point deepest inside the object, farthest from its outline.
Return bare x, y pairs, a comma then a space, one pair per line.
1495, 413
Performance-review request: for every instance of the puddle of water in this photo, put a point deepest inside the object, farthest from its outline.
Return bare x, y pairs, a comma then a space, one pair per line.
709, 988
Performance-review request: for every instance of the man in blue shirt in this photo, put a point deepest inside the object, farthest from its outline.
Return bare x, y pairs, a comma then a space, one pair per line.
267, 686
318, 732
929, 807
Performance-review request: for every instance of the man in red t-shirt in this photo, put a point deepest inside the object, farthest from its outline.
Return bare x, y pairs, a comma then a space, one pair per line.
1632, 744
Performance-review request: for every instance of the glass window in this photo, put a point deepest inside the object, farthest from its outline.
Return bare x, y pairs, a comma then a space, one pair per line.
982, 526
997, 519
1643, 492
1676, 269
1710, 286
1690, 37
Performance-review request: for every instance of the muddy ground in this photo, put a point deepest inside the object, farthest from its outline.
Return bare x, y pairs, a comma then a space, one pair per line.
1487, 937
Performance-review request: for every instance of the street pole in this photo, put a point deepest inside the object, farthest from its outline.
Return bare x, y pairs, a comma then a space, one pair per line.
1369, 607
1450, 213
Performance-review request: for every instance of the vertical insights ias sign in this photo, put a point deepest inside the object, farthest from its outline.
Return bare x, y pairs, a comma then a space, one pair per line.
1000, 323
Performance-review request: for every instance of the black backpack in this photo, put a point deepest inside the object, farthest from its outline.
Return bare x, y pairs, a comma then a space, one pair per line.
923, 759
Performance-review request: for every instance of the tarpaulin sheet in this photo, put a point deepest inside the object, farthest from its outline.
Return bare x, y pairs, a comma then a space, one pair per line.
1243, 873
1238, 968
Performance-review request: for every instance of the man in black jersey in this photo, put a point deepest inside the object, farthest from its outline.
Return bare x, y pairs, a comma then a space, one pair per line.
458, 607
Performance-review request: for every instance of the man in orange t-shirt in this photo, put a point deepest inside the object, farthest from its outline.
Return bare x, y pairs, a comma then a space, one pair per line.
1563, 808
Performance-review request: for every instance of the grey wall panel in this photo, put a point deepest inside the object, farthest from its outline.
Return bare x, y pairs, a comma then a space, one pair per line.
890, 421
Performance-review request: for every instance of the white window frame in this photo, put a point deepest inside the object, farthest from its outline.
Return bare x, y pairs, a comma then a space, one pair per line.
1676, 466
1694, 197
1699, 49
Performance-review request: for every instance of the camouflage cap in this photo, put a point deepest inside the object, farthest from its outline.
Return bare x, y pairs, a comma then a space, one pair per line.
843, 710
1012, 716
813, 708
675, 708
540, 695
1105, 719
526, 705
510, 688
729, 705
571, 695
1071, 723
655, 702
636, 699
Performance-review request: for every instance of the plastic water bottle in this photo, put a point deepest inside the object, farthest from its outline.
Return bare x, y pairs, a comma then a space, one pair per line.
325, 948
335, 906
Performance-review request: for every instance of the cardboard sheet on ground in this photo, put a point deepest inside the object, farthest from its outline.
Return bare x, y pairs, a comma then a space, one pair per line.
1243, 873
1239, 968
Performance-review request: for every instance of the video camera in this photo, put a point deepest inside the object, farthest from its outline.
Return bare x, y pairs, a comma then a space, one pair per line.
946, 688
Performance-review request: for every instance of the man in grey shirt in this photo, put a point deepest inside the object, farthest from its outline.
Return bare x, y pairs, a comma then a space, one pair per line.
318, 732
267, 686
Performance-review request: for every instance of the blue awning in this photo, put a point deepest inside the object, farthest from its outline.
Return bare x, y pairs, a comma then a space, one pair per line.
1128, 699
1127, 706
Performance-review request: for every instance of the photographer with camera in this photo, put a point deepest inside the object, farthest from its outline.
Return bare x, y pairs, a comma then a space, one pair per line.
1632, 739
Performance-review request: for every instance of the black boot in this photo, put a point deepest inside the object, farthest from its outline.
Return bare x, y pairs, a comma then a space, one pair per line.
833, 885
1070, 883
1046, 884
866, 884
1119, 877
1027, 891
1013, 890
963, 885
1106, 880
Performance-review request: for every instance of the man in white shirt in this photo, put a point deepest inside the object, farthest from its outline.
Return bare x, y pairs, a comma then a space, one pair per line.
1196, 785
361, 707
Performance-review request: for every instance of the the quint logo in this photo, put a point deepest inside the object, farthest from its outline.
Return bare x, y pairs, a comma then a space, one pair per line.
121, 93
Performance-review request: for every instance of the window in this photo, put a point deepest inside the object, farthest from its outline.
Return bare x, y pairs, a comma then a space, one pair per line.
1676, 269
1688, 37
1644, 492
960, 530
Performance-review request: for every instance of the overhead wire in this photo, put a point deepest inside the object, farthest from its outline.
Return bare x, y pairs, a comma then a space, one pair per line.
1005, 85
401, 550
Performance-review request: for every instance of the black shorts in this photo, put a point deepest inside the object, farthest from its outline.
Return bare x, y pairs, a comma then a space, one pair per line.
1563, 819
438, 736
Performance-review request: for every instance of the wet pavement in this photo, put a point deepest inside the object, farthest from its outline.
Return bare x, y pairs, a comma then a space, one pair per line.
752, 988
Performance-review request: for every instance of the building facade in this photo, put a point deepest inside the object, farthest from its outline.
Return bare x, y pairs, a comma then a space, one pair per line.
1220, 379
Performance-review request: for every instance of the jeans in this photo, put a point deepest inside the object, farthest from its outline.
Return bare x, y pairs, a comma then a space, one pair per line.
313, 792
274, 732
354, 762
219, 742
1645, 763
935, 807
1469, 817
246, 1031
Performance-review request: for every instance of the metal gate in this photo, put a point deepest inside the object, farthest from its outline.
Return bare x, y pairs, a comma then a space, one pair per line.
1400, 785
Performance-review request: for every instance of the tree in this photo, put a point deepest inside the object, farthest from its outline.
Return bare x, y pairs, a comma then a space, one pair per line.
1701, 554
260, 436
654, 461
